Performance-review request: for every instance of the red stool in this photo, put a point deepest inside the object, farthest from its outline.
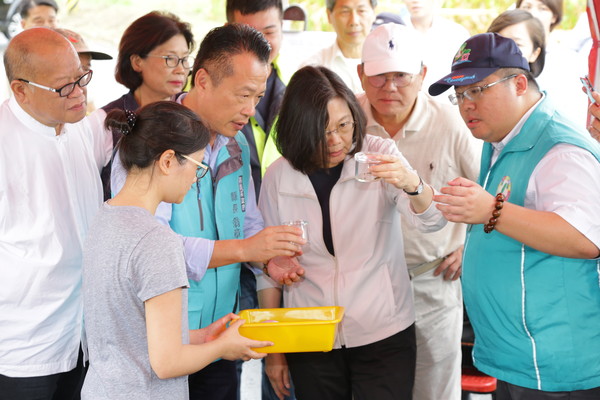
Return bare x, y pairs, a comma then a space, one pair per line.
475, 381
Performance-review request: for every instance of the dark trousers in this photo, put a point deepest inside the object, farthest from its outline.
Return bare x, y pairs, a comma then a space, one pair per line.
217, 381
384, 370
62, 386
249, 300
507, 391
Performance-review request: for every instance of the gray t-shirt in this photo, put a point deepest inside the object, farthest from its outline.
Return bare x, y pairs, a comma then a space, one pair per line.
128, 258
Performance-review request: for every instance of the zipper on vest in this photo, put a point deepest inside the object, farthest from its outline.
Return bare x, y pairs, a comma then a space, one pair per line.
200, 206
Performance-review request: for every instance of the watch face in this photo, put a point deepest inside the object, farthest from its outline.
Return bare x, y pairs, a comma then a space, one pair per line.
419, 189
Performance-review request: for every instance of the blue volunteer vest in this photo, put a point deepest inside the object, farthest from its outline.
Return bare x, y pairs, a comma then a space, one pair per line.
215, 208
536, 317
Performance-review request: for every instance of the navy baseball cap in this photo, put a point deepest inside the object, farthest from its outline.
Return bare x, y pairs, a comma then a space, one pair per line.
480, 56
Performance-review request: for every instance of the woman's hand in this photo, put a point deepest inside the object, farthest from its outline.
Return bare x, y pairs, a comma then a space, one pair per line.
213, 331
285, 270
393, 171
279, 375
238, 347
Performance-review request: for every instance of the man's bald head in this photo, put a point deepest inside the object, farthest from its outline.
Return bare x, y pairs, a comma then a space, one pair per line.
31, 51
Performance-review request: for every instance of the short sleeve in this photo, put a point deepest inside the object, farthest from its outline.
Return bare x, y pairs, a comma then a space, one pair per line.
157, 264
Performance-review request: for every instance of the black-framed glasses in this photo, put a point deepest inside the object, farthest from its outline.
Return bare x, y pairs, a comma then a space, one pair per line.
201, 170
400, 79
173, 61
342, 129
67, 89
474, 92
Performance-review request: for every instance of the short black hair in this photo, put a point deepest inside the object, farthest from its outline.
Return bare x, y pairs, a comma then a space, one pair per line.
246, 7
29, 4
155, 128
141, 37
303, 118
331, 4
221, 43
504, 72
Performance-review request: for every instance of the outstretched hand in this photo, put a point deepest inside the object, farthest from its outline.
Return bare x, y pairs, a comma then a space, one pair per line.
465, 201
273, 241
285, 270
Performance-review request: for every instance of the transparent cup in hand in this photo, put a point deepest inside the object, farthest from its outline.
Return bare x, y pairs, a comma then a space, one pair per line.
364, 161
299, 223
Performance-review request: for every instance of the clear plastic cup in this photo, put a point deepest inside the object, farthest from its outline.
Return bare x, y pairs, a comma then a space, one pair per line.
364, 161
300, 224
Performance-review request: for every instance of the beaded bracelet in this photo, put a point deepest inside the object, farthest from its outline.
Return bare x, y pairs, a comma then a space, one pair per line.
489, 227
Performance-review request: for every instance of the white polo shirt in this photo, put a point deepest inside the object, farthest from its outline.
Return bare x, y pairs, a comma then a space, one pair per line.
333, 58
49, 192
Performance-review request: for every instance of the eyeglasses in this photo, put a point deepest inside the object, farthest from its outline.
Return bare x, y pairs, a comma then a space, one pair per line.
201, 170
66, 90
474, 92
400, 79
343, 129
173, 61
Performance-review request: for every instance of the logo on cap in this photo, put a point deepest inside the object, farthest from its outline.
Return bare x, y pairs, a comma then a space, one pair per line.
462, 56
391, 44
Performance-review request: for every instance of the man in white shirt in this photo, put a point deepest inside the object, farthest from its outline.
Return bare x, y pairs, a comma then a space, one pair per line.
49, 192
440, 37
530, 268
438, 145
352, 21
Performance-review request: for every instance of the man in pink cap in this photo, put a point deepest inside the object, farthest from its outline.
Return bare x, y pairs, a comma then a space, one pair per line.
435, 141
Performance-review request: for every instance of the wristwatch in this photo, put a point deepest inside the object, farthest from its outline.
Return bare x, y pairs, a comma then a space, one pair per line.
418, 190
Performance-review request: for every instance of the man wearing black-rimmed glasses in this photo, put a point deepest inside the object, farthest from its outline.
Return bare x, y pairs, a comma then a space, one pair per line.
49, 191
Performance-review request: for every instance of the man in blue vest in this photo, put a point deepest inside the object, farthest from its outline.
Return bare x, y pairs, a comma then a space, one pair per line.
530, 270
266, 16
218, 219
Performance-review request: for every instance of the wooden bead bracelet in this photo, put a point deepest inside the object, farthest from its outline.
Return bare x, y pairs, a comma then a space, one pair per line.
489, 227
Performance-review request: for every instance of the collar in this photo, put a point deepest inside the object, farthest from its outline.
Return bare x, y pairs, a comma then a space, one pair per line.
499, 146
29, 121
415, 122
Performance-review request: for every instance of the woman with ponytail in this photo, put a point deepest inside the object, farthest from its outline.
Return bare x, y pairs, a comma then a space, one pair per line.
134, 276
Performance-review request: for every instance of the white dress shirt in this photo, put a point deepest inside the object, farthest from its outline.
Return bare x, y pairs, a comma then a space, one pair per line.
49, 192
566, 181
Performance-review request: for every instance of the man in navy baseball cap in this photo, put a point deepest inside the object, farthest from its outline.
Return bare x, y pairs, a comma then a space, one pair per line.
534, 238
479, 57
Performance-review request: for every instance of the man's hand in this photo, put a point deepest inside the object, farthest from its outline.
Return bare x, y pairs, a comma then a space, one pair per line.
273, 241
451, 266
465, 201
285, 270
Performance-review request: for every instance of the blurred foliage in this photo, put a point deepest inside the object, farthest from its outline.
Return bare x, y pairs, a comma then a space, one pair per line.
475, 15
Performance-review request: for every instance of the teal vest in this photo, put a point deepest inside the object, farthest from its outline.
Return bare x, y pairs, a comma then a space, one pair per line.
215, 208
536, 317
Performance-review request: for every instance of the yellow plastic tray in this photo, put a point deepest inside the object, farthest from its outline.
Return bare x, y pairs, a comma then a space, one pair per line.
292, 330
